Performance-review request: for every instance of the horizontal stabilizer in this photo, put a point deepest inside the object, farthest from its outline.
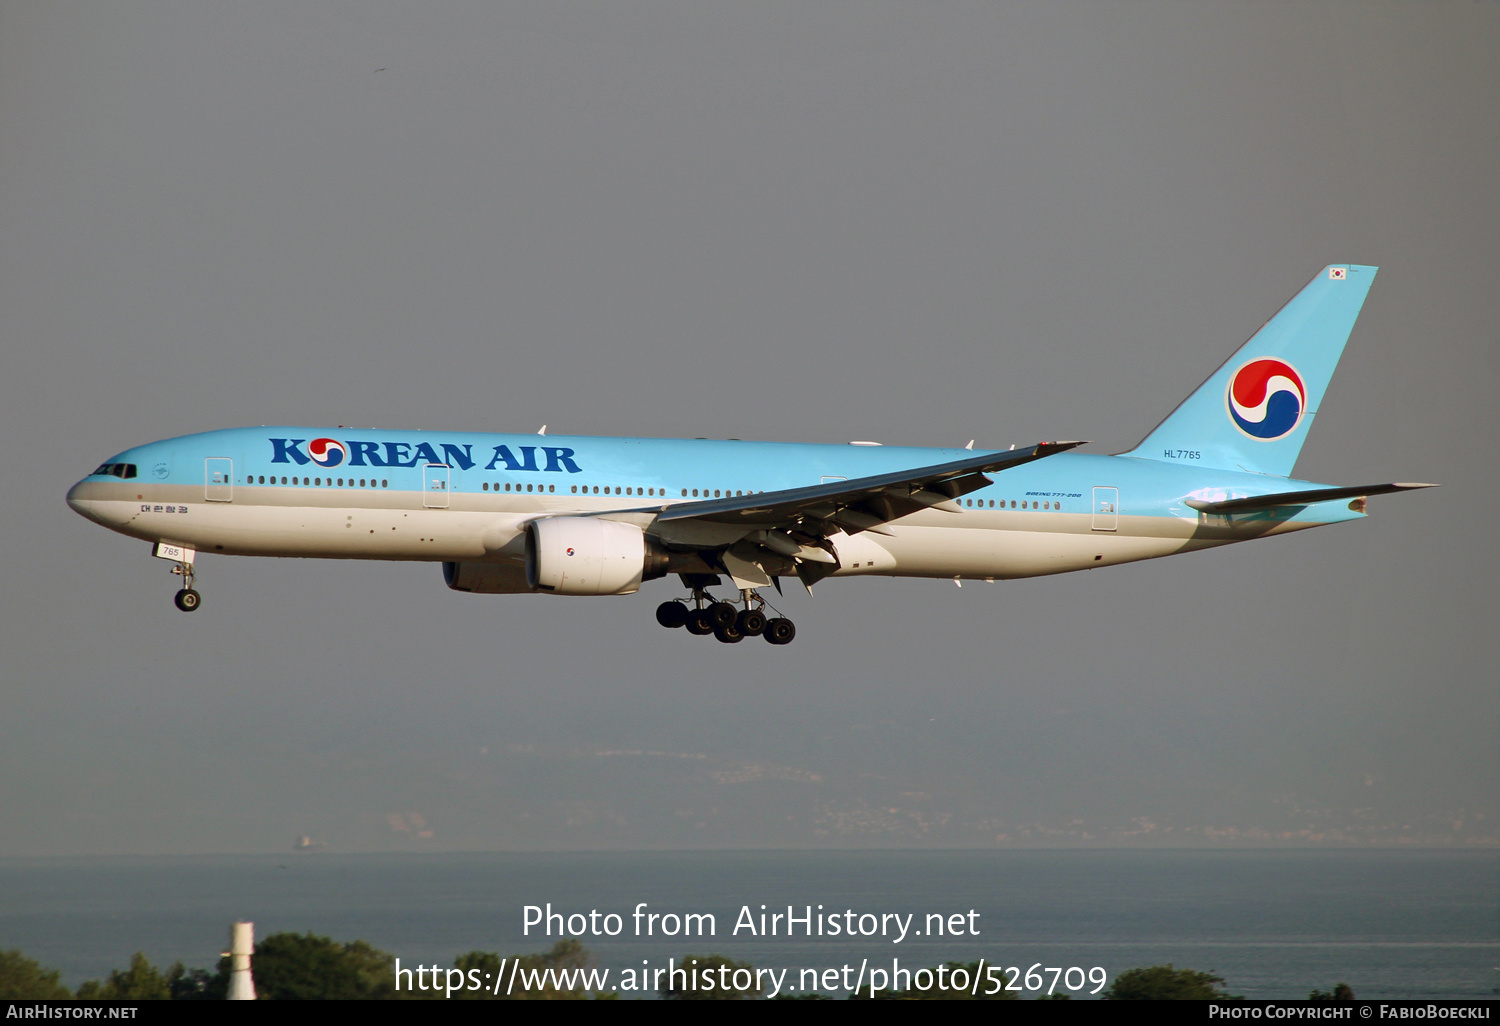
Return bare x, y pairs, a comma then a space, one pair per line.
1302, 498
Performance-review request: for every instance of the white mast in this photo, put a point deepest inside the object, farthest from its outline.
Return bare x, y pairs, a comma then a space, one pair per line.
241, 946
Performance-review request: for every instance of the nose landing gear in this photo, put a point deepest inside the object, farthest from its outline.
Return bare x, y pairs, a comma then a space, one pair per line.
187, 599
719, 618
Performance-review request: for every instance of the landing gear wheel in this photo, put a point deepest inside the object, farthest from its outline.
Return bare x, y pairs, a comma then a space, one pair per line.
672, 615
729, 635
722, 614
751, 623
188, 600
699, 623
780, 631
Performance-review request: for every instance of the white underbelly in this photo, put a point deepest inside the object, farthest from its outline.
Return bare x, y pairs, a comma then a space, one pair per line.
979, 552
323, 532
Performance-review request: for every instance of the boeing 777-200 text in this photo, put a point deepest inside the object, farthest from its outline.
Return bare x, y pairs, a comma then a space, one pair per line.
513, 514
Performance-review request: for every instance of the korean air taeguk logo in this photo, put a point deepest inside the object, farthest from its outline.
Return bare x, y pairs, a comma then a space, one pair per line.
327, 452
1266, 398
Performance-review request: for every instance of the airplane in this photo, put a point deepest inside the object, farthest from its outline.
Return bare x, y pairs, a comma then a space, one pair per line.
539, 514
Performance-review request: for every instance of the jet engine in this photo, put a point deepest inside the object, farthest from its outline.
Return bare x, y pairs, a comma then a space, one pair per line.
588, 556
487, 578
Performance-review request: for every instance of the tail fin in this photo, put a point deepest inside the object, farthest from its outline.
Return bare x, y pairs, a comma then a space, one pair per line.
1253, 413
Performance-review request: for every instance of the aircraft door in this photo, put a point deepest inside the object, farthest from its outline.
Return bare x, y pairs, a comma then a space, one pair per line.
435, 485
1106, 508
218, 479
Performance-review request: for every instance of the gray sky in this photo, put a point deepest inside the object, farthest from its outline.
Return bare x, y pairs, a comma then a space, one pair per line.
917, 223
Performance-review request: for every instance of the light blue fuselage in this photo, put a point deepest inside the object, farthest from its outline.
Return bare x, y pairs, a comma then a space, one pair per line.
416, 495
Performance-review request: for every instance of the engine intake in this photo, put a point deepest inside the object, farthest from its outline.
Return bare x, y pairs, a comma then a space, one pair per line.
588, 556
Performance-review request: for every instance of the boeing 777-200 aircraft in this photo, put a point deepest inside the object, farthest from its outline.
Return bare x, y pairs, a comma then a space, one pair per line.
511, 514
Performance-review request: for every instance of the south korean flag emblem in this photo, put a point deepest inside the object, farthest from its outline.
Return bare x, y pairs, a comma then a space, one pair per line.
1338, 273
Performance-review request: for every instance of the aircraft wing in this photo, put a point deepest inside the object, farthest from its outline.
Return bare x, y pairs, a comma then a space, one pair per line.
864, 503
756, 537
1302, 498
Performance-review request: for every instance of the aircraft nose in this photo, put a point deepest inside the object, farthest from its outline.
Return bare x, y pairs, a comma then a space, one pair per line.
80, 505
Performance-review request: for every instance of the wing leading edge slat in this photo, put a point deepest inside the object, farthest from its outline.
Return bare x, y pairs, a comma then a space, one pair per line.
872, 501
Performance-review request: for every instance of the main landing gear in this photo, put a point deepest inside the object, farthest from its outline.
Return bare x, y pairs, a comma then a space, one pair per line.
187, 599
724, 621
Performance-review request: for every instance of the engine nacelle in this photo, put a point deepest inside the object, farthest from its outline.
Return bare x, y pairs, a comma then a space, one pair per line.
588, 556
487, 578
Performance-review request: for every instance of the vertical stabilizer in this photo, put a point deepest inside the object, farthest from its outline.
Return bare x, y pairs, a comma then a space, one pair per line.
1254, 412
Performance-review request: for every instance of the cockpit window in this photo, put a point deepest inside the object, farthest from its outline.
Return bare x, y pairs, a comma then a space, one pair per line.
125, 470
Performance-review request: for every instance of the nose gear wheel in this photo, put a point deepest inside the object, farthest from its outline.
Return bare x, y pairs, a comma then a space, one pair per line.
187, 599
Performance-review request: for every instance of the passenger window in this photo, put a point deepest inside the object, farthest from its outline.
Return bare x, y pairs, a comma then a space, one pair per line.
552, 488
